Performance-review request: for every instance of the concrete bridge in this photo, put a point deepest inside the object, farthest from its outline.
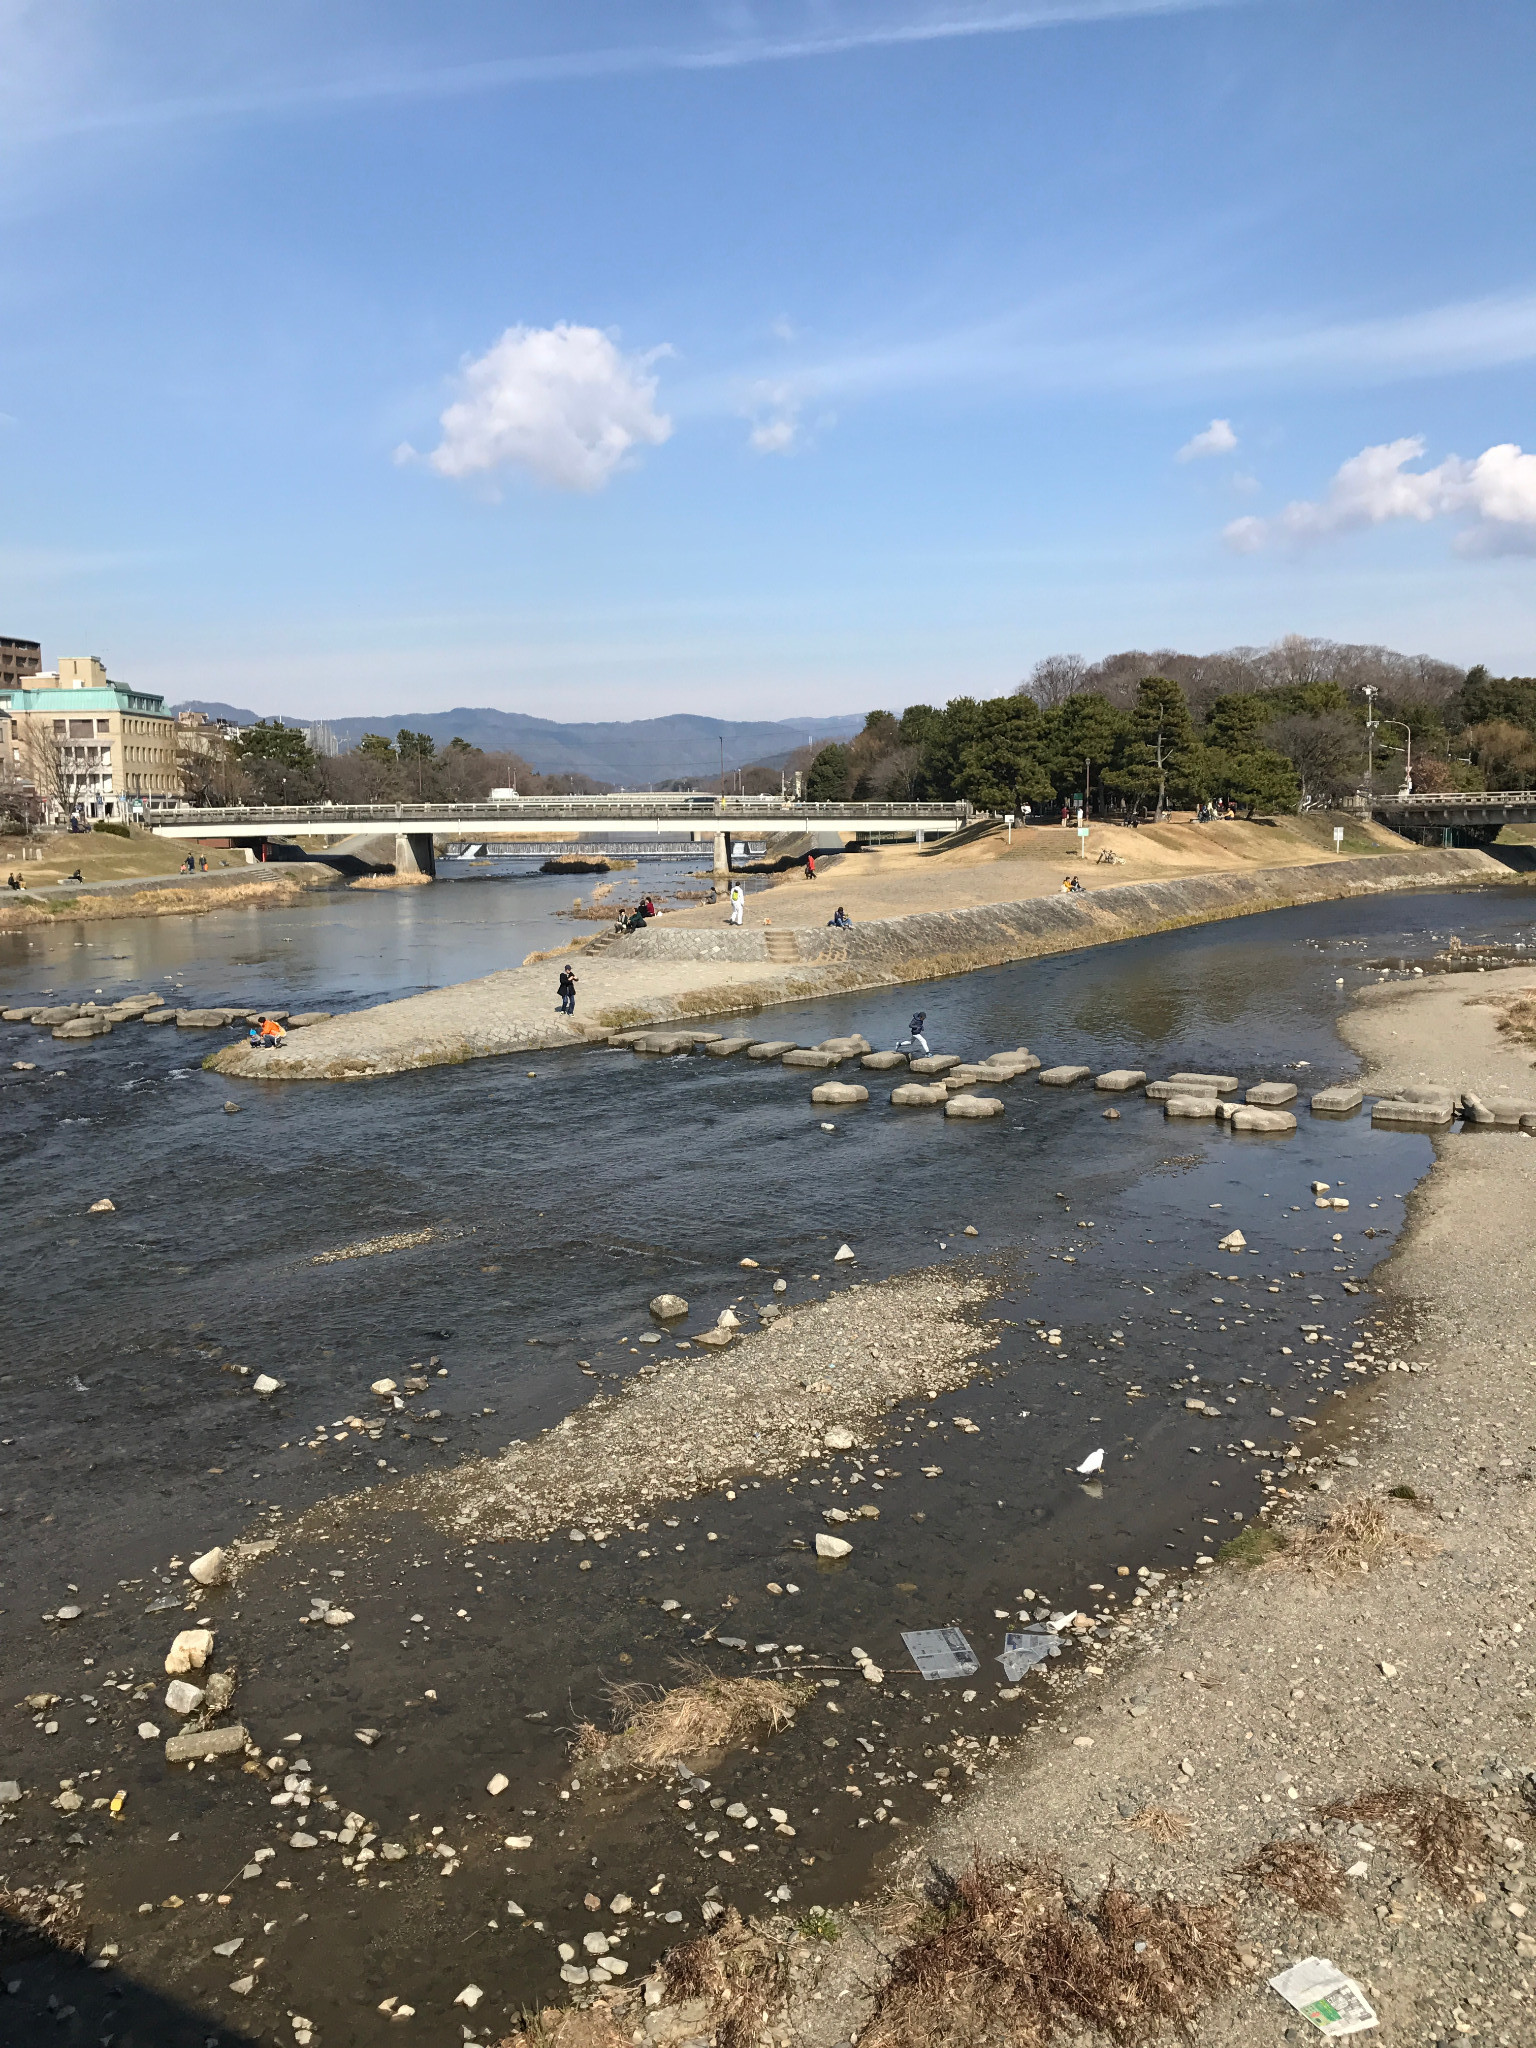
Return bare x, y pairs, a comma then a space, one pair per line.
1447, 817
414, 827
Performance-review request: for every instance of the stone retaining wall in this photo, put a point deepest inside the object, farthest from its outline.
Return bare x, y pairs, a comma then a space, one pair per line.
950, 941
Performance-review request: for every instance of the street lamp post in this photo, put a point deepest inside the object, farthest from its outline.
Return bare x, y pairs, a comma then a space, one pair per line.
1408, 729
1370, 741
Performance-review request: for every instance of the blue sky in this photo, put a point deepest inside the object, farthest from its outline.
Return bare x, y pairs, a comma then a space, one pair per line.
601, 360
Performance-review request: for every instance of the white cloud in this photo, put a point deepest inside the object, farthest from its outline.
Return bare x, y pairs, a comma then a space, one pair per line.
1497, 488
1216, 439
561, 402
775, 416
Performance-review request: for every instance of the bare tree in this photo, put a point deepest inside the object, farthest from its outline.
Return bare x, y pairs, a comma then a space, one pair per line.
1054, 679
1327, 752
208, 771
47, 766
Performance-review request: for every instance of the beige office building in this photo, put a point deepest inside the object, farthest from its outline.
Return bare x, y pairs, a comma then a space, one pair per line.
89, 744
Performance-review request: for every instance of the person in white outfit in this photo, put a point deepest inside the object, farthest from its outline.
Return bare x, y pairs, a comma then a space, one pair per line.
738, 902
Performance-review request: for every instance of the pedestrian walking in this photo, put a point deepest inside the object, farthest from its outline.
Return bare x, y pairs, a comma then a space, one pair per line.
810, 867
567, 987
738, 902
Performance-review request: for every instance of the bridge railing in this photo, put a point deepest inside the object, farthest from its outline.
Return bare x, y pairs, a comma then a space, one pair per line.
696, 811
1438, 799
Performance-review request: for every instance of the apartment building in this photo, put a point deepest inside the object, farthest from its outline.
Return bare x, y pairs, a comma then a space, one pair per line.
89, 744
18, 658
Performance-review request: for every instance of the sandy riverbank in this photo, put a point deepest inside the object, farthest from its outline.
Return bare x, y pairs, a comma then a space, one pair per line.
1390, 1651
683, 971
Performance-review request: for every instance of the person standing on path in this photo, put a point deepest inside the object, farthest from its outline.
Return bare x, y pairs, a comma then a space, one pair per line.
738, 902
567, 987
810, 867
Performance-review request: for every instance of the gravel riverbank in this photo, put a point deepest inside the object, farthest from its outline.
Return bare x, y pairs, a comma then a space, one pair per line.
764, 1407
1386, 1644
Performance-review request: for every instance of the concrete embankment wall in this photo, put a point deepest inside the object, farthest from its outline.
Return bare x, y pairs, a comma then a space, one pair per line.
950, 941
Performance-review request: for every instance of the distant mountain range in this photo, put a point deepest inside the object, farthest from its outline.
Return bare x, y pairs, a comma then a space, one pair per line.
628, 752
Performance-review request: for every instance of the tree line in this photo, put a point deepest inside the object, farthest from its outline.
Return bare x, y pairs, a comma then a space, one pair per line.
273, 763
1263, 729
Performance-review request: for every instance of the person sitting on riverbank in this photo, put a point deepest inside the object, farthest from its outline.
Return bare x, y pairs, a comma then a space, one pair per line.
841, 919
11, 882
1071, 886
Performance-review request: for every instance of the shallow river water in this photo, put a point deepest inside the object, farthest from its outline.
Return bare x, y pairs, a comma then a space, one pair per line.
557, 1194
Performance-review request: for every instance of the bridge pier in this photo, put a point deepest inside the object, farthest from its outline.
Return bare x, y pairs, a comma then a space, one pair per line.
722, 856
414, 854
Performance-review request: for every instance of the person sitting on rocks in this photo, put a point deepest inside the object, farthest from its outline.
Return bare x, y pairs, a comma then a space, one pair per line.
841, 919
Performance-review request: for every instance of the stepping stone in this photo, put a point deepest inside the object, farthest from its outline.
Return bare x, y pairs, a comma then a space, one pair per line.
936, 1063
724, 1048
83, 1027
839, 1092
1008, 1067
847, 1046
1508, 1109
882, 1062
915, 1095
1271, 1095
1120, 1080
1160, 1091
966, 1076
1246, 1119
1062, 1077
202, 1020
627, 1037
1337, 1101
1189, 1105
1424, 1115
1008, 1059
662, 1042
810, 1058
974, 1106
1221, 1084
770, 1048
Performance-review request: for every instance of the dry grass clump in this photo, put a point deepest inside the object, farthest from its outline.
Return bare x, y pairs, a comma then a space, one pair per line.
738, 1974
1441, 1833
1164, 1827
34, 1920
1517, 1015
566, 2026
1301, 1872
1017, 1956
1354, 1537
654, 1726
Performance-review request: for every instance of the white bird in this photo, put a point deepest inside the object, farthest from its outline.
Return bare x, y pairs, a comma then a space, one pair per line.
1094, 1462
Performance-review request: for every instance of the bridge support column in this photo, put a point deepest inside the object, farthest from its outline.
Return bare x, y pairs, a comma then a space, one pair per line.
414, 855
722, 855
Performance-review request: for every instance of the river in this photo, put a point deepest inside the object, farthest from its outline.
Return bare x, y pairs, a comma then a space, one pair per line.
553, 1197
